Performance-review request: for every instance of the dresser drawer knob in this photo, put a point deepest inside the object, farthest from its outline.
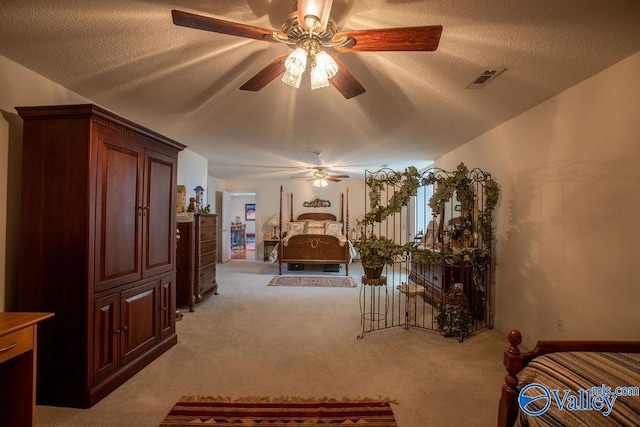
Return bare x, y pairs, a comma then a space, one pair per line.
9, 347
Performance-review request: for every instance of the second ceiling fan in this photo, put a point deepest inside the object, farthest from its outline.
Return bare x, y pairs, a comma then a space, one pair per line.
310, 32
320, 176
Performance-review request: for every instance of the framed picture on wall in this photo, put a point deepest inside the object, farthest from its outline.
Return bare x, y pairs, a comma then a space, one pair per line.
250, 212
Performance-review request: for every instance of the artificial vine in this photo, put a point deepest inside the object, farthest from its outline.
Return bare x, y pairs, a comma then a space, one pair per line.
458, 183
407, 183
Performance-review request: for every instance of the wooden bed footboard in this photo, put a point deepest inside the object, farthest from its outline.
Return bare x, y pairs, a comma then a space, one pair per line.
315, 249
514, 361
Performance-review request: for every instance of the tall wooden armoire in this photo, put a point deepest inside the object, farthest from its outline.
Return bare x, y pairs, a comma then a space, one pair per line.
97, 248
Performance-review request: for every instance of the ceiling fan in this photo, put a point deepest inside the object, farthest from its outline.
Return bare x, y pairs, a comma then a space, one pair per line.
310, 32
320, 177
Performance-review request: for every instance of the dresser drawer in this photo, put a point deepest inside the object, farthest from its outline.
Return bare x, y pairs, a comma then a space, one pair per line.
205, 275
205, 221
206, 247
15, 343
205, 260
206, 234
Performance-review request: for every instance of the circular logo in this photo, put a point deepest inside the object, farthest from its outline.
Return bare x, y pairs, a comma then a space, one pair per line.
532, 397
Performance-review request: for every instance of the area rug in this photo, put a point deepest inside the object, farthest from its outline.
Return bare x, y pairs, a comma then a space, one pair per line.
317, 281
279, 412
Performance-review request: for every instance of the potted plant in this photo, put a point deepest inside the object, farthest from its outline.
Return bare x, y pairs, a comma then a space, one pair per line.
376, 252
452, 317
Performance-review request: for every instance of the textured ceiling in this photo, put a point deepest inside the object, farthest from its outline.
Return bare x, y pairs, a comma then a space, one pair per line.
128, 56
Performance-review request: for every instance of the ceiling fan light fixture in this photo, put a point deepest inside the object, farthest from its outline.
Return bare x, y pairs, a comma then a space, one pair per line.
319, 77
320, 182
296, 62
325, 62
291, 79
314, 14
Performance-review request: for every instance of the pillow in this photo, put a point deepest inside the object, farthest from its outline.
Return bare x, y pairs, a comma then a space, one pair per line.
315, 224
315, 230
294, 228
333, 228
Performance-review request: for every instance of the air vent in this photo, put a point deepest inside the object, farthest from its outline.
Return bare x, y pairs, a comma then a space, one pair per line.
485, 76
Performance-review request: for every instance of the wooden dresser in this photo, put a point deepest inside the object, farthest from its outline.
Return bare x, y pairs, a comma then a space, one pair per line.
97, 247
196, 260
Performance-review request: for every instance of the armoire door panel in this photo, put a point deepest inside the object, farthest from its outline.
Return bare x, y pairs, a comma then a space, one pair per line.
140, 319
167, 305
118, 215
106, 330
159, 214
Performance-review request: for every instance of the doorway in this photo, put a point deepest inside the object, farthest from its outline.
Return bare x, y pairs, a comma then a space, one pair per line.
243, 212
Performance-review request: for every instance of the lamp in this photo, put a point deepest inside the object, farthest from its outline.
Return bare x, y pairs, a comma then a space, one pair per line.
313, 16
273, 222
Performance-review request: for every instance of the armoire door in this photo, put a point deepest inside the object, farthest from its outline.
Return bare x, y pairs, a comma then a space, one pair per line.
119, 211
106, 331
139, 320
158, 214
167, 305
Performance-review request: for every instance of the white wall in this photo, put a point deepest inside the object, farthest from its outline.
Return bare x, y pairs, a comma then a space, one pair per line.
192, 172
567, 222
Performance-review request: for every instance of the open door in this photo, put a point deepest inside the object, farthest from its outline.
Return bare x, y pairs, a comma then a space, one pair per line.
225, 252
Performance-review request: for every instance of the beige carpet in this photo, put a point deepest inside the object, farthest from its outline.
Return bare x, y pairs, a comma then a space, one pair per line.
256, 340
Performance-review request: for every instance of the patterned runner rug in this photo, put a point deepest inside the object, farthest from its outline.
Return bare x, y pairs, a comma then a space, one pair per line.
318, 281
280, 412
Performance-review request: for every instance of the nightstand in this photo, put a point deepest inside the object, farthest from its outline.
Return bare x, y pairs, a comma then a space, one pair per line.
267, 247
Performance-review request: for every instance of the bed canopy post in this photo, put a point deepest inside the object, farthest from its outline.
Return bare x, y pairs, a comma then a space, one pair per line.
508, 410
291, 209
280, 237
346, 224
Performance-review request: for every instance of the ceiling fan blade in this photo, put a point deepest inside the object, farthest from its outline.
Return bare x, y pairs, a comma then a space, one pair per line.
339, 176
392, 39
266, 75
344, 81
331, 178
190, 20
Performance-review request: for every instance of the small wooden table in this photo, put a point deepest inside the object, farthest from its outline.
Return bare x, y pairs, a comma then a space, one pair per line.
18, 347
267, 247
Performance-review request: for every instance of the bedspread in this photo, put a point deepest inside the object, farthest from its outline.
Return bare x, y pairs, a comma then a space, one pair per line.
580, 388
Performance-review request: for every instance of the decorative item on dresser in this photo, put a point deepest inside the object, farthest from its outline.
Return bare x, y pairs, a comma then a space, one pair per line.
97, 247
196, 259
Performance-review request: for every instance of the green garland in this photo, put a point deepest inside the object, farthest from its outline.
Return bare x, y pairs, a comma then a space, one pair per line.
460, 184
407, 183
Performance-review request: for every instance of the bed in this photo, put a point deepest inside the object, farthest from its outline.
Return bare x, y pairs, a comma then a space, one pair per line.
571, 383
314, 238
